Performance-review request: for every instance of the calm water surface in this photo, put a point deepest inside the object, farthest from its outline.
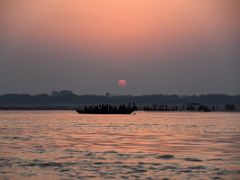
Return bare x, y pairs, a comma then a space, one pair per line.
67, 145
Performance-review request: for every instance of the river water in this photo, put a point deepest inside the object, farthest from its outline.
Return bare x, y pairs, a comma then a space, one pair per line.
147, 145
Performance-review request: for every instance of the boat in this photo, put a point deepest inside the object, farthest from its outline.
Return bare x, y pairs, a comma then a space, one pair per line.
107, 109
127, 111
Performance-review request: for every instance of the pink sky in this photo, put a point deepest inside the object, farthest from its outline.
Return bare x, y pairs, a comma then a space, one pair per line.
123, 32
121, 25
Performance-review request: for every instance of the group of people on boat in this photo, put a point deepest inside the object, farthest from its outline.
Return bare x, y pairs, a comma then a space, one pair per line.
108, 107
187, 107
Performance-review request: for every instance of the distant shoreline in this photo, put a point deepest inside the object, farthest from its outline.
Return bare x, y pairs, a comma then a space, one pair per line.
67, 100
74, 109
36, 108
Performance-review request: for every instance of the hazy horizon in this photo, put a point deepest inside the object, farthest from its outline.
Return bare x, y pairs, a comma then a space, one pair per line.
119, 94
159, 47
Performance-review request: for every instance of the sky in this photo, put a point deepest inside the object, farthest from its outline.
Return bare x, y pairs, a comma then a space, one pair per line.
87, 46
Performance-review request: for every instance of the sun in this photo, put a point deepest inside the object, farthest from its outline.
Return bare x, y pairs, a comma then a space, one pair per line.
122, 83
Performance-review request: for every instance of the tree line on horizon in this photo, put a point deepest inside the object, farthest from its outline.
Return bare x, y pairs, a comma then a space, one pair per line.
67, 97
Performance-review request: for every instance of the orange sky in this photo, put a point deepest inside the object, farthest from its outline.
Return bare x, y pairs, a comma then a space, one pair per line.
120, 25
156, 45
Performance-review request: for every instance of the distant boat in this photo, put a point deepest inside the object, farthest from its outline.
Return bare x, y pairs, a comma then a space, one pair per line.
107, 109
99, 111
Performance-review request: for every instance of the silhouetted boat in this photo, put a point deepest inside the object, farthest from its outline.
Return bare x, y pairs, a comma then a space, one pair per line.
99, 111
108, 109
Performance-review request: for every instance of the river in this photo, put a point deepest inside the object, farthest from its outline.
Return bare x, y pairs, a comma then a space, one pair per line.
145, 145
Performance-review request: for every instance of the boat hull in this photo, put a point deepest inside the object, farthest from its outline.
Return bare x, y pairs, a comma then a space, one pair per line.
127, 111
